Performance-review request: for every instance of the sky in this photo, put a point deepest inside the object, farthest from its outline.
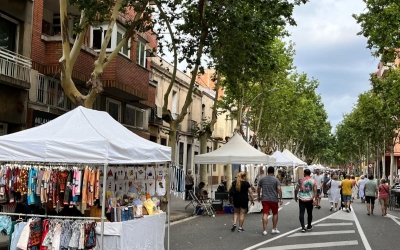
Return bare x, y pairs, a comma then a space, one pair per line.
328, 49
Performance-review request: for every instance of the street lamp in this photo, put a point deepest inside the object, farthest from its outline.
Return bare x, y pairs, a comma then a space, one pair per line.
247, 112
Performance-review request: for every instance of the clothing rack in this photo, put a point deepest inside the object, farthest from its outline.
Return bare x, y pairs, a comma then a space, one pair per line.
52, 216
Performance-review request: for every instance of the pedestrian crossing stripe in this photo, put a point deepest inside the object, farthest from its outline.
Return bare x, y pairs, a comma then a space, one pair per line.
322, 233
313, 245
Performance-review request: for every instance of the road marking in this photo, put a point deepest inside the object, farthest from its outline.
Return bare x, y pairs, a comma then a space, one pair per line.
179, 221
287, 203
334, 224
323, 233
361, 232
284, 234
313, 245
394, 218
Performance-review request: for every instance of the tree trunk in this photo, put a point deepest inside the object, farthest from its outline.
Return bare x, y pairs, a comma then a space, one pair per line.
203, 150
172, 143
383, 166
392, 164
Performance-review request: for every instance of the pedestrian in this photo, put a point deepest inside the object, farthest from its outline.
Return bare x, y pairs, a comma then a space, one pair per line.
334, 195
306, 194
189, 182
325, 186
319, 180
347, 186
240, 190
371, 193
354, 189
384, 196
360, 184
271, 196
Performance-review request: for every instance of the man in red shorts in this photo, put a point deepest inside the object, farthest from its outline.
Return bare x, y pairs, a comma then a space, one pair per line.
271, 196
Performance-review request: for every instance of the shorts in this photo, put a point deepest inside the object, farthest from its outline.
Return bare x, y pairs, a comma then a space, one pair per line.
370, 199
267, 205
346, 197
384, 201
319, 192
241, 202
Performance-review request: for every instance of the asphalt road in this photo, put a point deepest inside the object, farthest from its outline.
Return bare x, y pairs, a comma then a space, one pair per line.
332, 230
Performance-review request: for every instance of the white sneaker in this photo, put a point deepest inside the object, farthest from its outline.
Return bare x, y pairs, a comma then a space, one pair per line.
265, 233
275, 231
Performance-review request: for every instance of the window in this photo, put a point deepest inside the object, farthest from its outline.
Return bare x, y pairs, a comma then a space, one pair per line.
134, 116
125, 49
141, 53
3, 128
8, 33
114, 109
56, 25
50, 92
164, 141
99, 33
181, 152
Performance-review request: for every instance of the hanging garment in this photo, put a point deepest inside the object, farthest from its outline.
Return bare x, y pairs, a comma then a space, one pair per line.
66, 234
150, 172
97, 185
131, 173
55, 244
68, 188
74, 241
151, 186
160, 186
35, 235
90, 190
39, 182
16, 235
56, 188
24, 237
23, 181
63, 176
32, 178
140, 173
81, 244
85, 187
46, 227
5, 225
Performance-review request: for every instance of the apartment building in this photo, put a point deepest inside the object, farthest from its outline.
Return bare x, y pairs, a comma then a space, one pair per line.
128, 92
15, 64
223, 128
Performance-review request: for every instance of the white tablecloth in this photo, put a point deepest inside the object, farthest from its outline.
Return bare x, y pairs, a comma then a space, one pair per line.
142, 234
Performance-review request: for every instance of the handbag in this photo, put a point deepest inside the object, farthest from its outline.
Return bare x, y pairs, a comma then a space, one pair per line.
329, 192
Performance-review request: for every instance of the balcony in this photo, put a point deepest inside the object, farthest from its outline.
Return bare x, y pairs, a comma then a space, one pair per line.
384, 68
192, 126
153, 118
15, 69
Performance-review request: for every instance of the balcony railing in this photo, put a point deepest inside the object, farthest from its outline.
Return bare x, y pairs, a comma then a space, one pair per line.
50, 92
15, 65
153, 116
192, 126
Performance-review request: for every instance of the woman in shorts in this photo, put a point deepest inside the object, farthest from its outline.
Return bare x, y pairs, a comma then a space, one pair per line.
241, 193
384, 196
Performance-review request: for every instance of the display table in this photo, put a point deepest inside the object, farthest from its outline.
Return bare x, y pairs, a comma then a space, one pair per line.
139, 234
287, 192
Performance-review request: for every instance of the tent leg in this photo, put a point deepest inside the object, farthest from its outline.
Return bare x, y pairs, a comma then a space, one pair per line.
169, 218
103, 205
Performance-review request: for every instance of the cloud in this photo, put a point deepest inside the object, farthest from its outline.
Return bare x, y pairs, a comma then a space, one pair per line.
328, 49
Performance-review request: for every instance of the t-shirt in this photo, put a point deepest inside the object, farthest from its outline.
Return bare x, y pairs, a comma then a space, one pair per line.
347, 185
383, 191
306, 185
269, 185
370, 187
318, 179
244, 189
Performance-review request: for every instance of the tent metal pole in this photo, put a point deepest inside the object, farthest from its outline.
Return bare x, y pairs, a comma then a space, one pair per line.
169, 208
103, 206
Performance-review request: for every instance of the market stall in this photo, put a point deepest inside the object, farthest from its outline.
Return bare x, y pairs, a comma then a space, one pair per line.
236, 151
83, 138
287, 172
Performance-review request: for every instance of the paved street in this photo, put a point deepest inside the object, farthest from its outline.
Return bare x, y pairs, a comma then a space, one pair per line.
332, 230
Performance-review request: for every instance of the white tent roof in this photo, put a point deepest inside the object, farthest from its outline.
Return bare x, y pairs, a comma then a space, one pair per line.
282, 160
236, 151
82, 136
291, 156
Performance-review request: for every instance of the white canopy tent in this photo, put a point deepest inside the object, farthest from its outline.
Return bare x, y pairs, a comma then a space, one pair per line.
282, 160
82, 136
291, 156
236, 151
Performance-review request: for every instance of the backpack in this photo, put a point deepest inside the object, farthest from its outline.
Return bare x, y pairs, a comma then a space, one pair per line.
232, 190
